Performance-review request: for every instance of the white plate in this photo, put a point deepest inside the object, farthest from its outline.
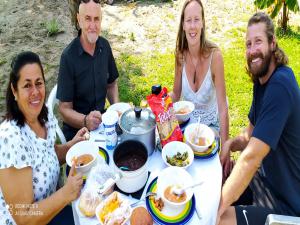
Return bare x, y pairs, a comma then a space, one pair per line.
120, 107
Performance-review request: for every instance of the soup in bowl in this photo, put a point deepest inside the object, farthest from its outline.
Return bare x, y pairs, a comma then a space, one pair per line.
174, 177
84, 155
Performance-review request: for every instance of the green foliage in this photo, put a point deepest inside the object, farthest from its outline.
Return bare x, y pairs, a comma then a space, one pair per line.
276, 5
52, 27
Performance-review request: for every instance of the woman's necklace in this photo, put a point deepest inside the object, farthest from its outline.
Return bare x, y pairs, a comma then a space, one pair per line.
195, 67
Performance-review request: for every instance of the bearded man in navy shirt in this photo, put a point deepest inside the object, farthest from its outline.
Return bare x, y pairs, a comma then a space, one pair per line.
270, 145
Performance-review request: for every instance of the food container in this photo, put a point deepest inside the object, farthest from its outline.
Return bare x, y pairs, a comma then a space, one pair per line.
173, 153
113, 210
130, 160
196, 131
139, 124
174, 177
79, 149
183, 110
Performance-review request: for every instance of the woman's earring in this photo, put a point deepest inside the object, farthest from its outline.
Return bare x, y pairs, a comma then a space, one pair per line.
16, 98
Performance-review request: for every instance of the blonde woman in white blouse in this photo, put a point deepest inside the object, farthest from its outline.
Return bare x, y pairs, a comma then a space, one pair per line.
199, 70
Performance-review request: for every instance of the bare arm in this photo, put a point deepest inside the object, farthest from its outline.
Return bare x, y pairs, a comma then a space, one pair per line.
78, 120
70, 116
61, 150
242, 173
20, 191
175, 95
240, 142
112, 92
218, 73
234, 144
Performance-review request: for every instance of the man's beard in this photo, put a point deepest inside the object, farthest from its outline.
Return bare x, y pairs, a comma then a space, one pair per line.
92, 38
260, 71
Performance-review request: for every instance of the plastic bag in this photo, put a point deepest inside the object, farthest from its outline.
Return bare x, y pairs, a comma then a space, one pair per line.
167, 124
90, 197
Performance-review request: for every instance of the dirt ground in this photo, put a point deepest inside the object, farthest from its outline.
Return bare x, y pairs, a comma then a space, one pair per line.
130, 27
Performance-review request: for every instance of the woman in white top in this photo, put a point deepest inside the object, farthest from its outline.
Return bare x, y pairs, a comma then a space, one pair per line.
29, 157
199, 70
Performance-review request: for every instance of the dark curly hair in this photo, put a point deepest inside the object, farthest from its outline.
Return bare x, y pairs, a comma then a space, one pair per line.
12, 109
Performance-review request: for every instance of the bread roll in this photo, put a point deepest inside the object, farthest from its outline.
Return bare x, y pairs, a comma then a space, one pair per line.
88, 203
140, 216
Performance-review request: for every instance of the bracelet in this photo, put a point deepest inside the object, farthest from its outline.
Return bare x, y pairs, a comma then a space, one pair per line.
84, 121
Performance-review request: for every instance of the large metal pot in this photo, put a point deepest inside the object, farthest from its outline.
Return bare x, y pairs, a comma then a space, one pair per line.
130, 160
139, 124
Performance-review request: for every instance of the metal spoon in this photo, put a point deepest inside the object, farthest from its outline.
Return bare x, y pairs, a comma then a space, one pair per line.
148, 194
180, 191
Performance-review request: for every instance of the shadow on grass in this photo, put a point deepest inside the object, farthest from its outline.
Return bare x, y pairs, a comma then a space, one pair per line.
291, 32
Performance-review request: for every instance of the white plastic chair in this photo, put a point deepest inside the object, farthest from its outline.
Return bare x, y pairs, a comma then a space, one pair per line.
52, 101
274, 219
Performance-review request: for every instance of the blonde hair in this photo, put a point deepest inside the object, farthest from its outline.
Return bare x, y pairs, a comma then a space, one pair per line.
181, 42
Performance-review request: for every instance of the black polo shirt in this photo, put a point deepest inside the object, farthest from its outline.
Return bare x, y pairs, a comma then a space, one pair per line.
83, 78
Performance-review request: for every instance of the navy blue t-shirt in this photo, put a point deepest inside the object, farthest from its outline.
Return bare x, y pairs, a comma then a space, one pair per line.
275, 115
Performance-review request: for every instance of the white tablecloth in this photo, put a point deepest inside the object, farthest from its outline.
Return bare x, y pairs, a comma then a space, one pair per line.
207, 195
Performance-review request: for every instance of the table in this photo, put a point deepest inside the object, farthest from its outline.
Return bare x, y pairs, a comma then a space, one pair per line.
207, 195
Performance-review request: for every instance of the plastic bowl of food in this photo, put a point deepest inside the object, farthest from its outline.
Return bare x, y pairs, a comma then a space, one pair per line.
199, 136
113, 210
84, 154
177, 153
174, 177
183, 110
120, 107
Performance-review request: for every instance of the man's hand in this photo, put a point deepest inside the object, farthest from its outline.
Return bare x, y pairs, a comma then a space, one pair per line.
92, 120
225, 159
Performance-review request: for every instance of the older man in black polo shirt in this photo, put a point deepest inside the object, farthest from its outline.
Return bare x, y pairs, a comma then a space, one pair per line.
87, 73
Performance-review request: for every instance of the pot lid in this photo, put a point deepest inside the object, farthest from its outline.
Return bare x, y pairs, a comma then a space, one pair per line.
137, 121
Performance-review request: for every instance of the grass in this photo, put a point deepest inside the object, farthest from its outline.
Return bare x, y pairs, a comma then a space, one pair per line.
52, 27
139, 72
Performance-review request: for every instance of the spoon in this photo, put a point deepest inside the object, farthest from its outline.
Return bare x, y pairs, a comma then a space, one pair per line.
196, 137
148, 194
124, 168
180, 191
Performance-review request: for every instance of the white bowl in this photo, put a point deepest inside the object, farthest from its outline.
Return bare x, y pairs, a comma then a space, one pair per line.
80, 148
120, 107
172, 148
127, 210
177, 176
186, 107
204, 132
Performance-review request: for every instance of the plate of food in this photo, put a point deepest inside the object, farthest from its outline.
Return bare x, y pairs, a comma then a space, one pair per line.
113, 210
165, 215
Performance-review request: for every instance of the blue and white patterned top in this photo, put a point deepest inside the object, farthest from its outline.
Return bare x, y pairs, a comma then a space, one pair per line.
20, 148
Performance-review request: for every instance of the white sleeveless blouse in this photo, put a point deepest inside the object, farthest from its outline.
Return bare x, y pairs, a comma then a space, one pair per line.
205, 99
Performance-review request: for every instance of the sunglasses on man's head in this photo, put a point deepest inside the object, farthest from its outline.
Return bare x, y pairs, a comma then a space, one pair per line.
87, 1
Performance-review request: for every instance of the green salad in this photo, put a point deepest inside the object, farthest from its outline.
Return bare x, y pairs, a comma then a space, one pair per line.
179, 159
